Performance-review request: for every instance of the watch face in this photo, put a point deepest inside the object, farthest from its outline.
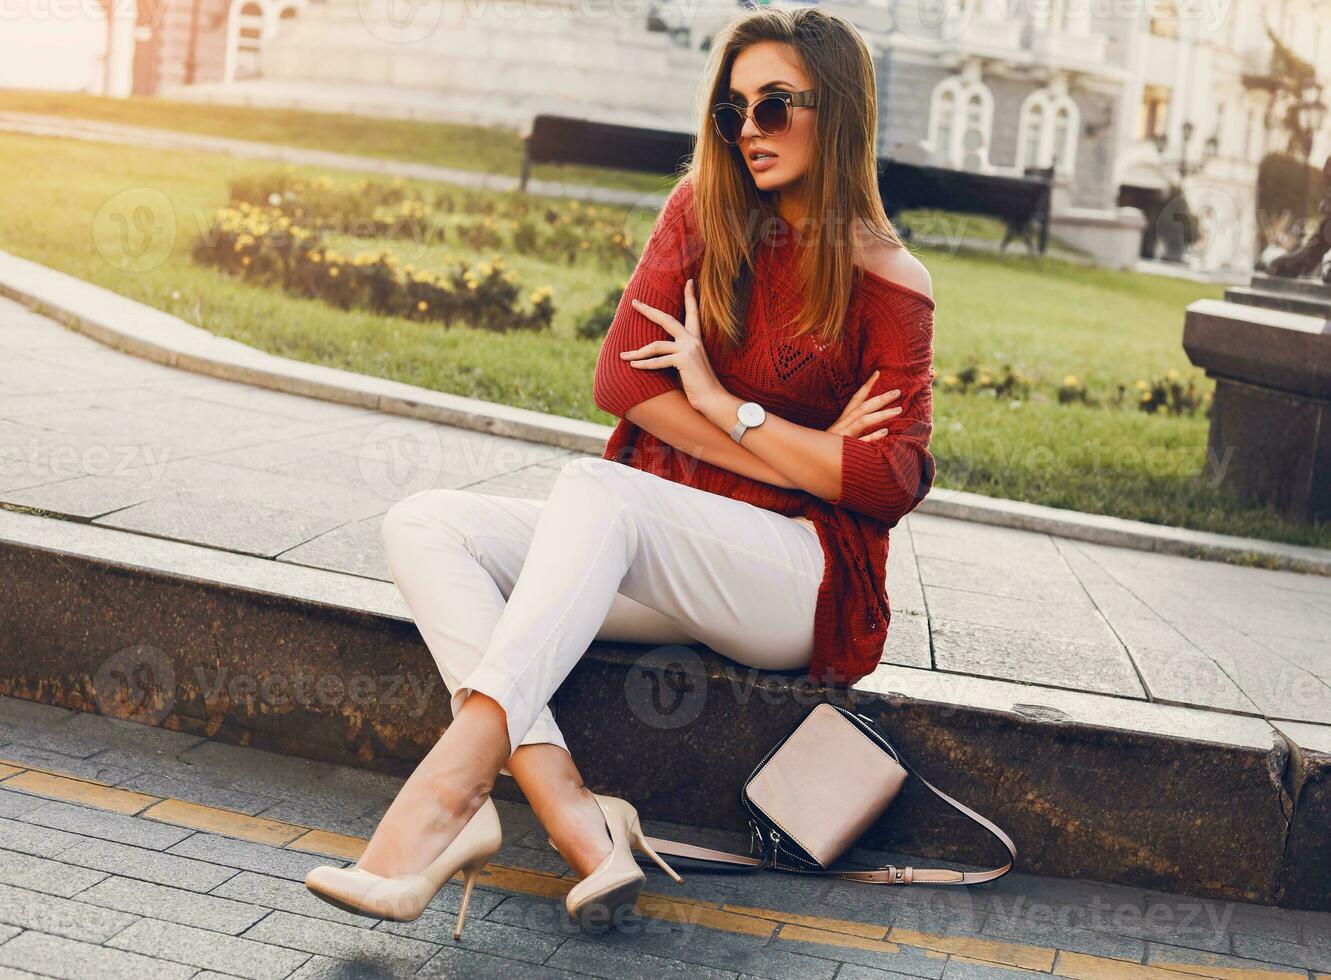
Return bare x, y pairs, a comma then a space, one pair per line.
751, 413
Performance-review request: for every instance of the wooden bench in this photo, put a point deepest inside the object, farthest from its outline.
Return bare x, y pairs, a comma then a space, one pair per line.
563, 139
1021, 203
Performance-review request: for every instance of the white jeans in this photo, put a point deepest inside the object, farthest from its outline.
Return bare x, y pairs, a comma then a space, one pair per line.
508, 593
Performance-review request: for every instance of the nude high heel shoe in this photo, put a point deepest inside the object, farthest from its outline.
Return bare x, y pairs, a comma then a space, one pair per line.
403, 898
598, 900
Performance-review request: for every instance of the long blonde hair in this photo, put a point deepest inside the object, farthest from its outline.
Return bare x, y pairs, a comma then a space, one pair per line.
842, 178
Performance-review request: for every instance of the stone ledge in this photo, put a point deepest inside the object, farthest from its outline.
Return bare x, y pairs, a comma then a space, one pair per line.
142, 331
328, 666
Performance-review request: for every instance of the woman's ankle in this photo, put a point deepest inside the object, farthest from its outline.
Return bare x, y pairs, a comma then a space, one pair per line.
581, 834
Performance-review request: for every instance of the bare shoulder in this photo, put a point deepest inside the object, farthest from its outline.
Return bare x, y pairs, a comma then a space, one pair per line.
897, 264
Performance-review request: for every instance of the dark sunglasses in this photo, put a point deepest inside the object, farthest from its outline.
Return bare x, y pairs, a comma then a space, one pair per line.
771, 114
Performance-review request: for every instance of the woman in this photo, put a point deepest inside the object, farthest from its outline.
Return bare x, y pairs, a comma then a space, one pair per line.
760, 531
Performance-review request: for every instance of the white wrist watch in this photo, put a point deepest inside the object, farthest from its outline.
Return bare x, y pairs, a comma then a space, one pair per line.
750, 414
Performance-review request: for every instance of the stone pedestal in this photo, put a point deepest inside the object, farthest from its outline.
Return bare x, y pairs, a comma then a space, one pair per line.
1268, 347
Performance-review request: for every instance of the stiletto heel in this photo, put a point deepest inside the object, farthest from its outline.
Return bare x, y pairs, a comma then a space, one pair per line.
403, 898
613, 887
640, 841
472, 872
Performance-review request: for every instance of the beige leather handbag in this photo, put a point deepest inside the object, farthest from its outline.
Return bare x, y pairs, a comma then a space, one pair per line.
817, 791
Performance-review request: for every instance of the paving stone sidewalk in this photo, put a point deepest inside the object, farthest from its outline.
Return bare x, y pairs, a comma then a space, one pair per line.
91, 434
169, 867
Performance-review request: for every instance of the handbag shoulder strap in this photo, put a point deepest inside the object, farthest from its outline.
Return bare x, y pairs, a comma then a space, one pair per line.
891, 874
887, 875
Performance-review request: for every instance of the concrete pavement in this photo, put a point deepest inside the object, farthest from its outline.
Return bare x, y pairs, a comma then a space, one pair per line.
128, 850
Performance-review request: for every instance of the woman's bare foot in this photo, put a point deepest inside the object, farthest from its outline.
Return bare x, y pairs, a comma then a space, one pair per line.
580, 834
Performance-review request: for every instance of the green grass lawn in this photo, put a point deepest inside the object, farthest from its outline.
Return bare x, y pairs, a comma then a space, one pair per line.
478, 148
1048, 318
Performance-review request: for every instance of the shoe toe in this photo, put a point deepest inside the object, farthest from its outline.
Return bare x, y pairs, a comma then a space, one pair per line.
323, 877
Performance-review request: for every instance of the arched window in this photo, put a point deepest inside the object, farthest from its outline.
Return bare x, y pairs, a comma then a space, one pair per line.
1034, 132
250, 25
961, 114
1048, 126
946, 119
1058, 148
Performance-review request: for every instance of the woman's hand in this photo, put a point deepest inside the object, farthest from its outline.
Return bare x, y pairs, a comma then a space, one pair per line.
863, 413
685, 352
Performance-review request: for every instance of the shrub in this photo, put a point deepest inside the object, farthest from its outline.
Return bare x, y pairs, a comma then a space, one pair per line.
597, 322
265, 246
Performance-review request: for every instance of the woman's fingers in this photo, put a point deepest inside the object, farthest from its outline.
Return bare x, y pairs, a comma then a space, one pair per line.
655, 347
667, 360
885, 397
658, 316
690, 307
862, 393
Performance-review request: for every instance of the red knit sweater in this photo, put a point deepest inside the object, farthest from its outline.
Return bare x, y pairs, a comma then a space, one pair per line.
889, 326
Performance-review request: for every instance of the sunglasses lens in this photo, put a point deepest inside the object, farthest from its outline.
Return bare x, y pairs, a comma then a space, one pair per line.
729, 122
772, 115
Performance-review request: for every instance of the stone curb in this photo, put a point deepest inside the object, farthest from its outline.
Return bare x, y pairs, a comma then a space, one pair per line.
1088, 786
134, 328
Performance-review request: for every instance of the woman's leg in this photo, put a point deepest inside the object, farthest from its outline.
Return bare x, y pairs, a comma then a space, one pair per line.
455, 556
742, 579
739, 578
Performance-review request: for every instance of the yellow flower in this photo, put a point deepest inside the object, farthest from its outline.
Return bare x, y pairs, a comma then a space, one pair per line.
1146, 396
1142, 384
422, 306
1171, 374
1070, 380
333, 271
245, 260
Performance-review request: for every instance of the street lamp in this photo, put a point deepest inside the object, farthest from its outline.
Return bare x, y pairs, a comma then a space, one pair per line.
1309, 115
1187, 168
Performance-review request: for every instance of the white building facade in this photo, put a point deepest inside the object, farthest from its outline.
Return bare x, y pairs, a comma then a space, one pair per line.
1104, 92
